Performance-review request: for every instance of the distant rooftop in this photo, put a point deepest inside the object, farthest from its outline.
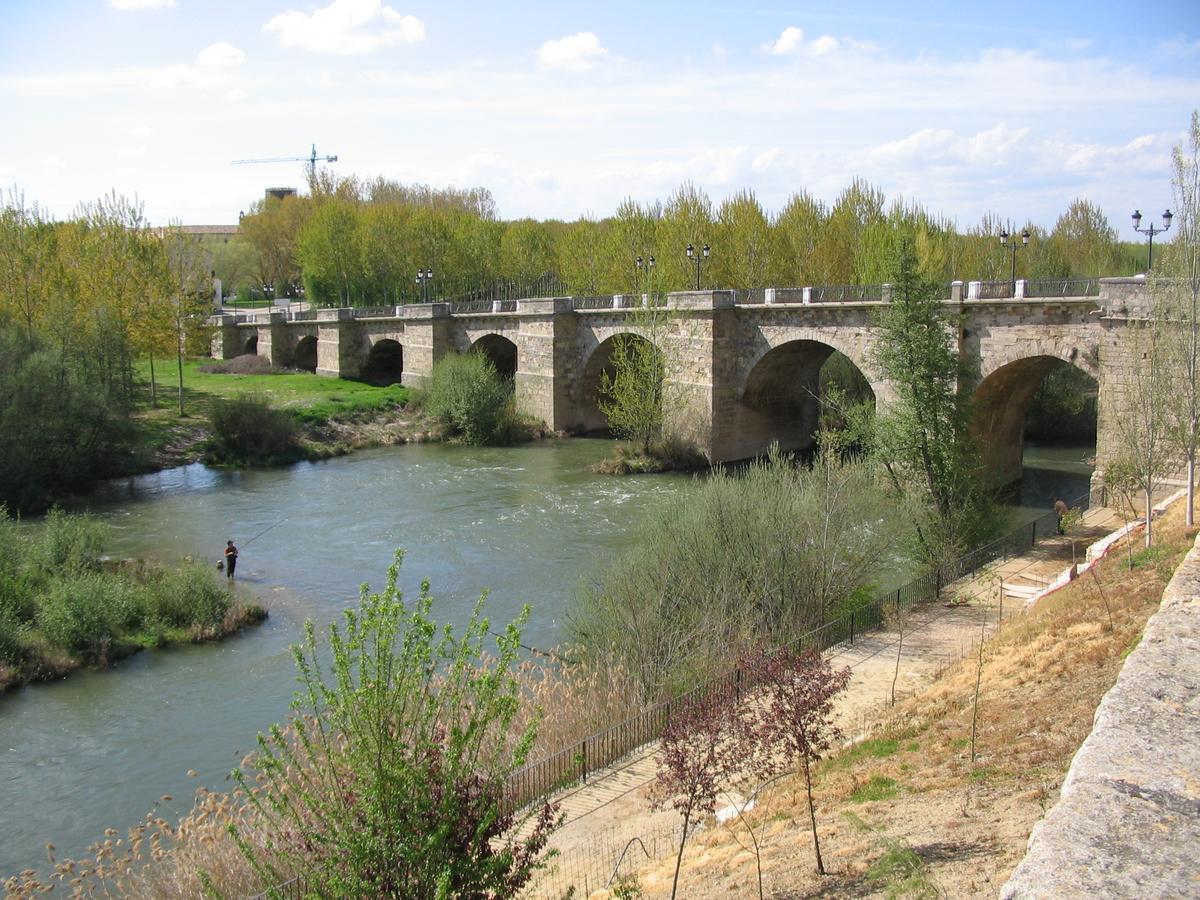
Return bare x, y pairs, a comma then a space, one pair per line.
209, 229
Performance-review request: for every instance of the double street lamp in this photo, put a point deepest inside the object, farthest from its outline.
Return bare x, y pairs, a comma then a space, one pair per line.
697, 258
1004, 242
424, 276
637, 271
1151, 231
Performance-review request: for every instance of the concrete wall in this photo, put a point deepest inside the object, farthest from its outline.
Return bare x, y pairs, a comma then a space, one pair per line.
1127, 823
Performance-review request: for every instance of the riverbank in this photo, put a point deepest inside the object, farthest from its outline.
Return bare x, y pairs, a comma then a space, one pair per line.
913, 808
64, 607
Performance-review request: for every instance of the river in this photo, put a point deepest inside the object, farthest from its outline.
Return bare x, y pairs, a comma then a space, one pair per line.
529, 523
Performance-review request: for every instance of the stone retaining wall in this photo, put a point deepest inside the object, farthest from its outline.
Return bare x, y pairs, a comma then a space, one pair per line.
1127, 823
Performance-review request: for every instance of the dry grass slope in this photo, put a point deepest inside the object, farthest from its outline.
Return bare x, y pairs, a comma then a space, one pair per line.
908, 812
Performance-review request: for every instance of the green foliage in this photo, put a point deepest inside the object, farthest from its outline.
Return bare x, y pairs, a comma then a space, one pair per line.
872, 748
467, 395
1063, 410
631, 395
769, 551
391, 779
60, 420
922, 442
246, 429
58, 604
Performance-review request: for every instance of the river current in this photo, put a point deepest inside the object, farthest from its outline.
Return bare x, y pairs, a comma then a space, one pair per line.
528, 524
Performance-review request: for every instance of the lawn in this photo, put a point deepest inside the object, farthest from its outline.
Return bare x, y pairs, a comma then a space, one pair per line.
312, 399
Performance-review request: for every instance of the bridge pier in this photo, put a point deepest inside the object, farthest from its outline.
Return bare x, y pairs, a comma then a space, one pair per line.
547, 374
340, 352
427, 338
273, 342
225, 343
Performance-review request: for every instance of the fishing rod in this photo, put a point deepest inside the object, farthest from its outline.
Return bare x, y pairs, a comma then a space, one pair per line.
265, 530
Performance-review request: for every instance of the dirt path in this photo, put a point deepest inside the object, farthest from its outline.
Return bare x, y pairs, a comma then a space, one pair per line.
611, 813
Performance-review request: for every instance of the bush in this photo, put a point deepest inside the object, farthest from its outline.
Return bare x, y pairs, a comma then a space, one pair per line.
246, 364
766, 554
245, 429
468, 396
187, 596
68, 543
84, 613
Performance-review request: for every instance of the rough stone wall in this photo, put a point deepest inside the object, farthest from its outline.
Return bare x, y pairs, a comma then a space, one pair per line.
428, 336
547, 359
1127, 823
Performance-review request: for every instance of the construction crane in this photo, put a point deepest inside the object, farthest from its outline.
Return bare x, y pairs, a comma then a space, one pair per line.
311, 159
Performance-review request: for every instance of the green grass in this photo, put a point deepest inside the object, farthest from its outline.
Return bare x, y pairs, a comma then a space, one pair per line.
900, 872
311, 399
874, 748
879, 787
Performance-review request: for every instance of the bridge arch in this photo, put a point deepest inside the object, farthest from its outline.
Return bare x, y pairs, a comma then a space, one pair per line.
304, 355
781, 399
385, 362
1002, 401
599, 362
250, 345
501, 351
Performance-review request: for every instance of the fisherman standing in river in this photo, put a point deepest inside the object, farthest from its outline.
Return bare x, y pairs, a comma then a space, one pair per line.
231, 555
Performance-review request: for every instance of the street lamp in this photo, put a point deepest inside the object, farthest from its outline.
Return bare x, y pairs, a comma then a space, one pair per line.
1004, 236
697, 258
637, 271
1151, 232
424, 276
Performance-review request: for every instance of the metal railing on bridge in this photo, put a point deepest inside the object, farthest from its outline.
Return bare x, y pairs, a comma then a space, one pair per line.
1063, 287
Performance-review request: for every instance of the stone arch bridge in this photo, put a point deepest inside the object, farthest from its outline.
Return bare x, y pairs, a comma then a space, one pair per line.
744, 368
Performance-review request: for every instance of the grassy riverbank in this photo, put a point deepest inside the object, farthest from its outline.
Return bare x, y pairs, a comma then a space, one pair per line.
62, 606
334, 415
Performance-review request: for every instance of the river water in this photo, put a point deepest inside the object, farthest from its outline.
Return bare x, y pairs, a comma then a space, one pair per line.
528, 524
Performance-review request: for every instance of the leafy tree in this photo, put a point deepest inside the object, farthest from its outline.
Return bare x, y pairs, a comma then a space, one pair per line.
391, 779
795, 723
632, 396
329, 251
27, 259
922, 439
273, 229
526, 251
1177, 300
858, 208
581, 257
633, 233
187, 284
1084, 236
747, 243
699, 753
687, 218
799, 227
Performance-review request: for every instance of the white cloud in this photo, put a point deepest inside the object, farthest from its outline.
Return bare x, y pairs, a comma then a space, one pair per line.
130, 5
574, 53
791, 43
787, 42
346, 28
720, 52
221, 55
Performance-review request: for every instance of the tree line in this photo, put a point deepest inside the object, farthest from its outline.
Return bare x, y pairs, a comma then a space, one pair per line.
80, 300
354, 241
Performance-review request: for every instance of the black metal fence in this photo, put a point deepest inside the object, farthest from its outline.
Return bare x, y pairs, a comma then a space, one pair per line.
1063, 287
846, 293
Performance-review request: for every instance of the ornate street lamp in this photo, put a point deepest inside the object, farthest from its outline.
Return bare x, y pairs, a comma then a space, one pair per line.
1151, 231
1004, 242
697, 258
637, 271
424, 276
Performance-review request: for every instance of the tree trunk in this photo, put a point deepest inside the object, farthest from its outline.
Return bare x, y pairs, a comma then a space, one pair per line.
179, 359
1149, 510
679, 856
1191, 488
153, 384
812, 814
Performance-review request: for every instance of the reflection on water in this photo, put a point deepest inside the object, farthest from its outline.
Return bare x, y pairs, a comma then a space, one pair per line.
526, 523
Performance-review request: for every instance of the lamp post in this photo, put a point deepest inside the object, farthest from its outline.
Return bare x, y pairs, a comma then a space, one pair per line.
697, 258
1151, 231
1004, 242
637, 271
268, 291
424, 276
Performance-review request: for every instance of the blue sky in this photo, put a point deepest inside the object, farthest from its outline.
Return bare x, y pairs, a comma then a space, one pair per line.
563, 109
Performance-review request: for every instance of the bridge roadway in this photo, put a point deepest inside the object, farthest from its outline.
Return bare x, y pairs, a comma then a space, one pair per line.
742, 368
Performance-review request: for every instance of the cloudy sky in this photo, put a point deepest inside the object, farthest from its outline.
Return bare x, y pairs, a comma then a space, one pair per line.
564, 108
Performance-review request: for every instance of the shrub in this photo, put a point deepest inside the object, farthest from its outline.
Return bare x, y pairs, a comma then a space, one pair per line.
67, 542
466, 394
187, 596
245, 429
246, 364
84, 613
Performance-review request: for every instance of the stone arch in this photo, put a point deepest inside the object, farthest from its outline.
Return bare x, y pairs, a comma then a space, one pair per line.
250, 345
304, 355
1001, 402
385, 362
598, 363
780, 397
501, 351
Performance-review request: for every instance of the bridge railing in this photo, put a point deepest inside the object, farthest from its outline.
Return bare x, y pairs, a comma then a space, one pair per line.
1063, 287
846, 293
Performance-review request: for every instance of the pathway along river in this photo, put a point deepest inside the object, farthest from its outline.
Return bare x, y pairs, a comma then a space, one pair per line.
528, 524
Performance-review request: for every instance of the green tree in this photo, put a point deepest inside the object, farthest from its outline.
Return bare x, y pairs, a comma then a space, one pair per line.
1085, 239
391, 780
801, 259
526, 251
188, 288
687, 218
746, 241
330, 253
922, 440
1177, 299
